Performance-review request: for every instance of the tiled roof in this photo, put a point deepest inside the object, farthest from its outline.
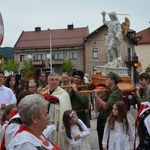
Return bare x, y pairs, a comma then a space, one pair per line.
144, 36
94, 32
130, 34
59, 38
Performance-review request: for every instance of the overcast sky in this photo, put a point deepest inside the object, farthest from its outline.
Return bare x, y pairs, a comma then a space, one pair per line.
25, 15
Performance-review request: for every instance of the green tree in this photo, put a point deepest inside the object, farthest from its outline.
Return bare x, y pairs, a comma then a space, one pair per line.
2, 56
147, 69
2, 64
28, 68
12, 66
2, 61
67, 66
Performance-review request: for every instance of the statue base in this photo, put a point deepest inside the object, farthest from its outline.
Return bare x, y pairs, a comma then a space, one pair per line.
100, 78
122, 71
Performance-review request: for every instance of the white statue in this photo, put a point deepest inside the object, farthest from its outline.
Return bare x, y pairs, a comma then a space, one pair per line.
113, 40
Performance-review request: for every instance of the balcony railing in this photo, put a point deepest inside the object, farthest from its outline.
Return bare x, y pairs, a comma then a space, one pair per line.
131, 60
58, 61
38, 62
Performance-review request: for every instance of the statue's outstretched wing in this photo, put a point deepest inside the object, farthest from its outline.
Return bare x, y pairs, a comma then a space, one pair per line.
125, 27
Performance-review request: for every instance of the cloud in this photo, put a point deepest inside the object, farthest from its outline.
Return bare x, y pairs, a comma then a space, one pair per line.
20, 15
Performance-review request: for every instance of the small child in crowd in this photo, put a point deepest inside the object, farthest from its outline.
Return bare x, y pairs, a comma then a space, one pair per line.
76, 132
5, 119
118, 130
143, 92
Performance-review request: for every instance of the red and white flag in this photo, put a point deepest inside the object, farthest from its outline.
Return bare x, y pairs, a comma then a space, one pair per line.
1, 30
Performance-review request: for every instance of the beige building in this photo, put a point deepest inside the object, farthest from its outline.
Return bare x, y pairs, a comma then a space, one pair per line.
60, 44
143, 48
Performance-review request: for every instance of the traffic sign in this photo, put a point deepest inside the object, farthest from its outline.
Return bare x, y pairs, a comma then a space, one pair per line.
1, 30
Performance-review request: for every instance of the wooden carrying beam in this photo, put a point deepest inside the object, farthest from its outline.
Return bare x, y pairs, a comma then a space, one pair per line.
91, 91
78, 86
122, 88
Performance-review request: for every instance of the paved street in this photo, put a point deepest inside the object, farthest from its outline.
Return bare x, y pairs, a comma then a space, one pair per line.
93, 140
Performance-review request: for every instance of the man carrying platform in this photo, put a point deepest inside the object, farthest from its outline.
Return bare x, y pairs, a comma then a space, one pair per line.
79, 102
106, 102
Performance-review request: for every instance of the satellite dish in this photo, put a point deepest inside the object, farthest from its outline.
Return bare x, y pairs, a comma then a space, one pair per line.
1, 30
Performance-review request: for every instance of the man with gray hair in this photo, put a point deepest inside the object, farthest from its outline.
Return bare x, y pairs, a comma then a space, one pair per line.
56, 110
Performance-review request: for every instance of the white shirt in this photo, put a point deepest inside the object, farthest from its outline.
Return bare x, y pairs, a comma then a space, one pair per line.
118, 138
12, 128
7, 96
26, 141
80, 144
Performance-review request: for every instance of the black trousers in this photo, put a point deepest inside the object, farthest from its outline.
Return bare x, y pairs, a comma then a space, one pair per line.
82, 115
100, 130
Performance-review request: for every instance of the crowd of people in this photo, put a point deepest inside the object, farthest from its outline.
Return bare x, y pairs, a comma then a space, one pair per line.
44, 114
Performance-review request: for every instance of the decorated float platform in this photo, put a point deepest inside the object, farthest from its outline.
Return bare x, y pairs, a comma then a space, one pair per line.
100, 78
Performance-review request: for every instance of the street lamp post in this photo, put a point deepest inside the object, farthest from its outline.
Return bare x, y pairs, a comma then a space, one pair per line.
51, 66
50, 50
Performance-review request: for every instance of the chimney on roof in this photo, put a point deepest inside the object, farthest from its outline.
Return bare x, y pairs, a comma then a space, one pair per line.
70, 27
37, 29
